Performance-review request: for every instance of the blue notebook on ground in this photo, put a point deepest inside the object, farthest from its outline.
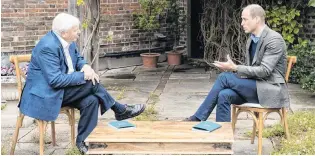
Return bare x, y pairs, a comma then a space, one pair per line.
206, 126
121, 124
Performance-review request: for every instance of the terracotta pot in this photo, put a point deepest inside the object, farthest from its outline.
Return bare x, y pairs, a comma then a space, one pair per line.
150, 59
174, 57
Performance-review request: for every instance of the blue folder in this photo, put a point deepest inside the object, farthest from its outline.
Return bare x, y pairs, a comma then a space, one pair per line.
121, 124
206, 126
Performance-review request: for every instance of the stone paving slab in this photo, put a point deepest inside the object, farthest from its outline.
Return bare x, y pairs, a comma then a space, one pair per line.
196, 76
177, 86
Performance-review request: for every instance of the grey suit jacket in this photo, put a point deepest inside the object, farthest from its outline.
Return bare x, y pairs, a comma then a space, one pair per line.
268, 68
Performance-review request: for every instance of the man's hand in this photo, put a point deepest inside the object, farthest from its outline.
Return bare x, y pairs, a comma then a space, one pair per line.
228, 65
89, 74
95, 78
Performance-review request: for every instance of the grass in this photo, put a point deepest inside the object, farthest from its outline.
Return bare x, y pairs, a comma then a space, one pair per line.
3, 149
35, 135
302, 133
3, 106
150, 113
73, 151
121, 94
5, 144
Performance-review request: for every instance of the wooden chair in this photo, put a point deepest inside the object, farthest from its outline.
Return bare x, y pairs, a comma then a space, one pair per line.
41, 124
257, 111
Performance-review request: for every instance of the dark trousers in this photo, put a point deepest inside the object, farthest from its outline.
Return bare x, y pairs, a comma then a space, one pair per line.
87, 98
227, 89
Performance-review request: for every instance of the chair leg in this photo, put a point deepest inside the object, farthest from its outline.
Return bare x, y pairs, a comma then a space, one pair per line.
253, 132
53, 133
254, 128
72, 127
233, 118
260, 129
16, 133
285, 121
41, 125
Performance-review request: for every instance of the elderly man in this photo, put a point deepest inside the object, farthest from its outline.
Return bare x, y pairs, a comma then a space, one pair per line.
260, 80
58, 76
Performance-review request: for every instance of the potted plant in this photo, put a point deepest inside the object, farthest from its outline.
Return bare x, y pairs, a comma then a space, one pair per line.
176, 19
148, 19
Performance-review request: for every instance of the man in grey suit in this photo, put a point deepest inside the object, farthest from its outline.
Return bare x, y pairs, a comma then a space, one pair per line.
261, 81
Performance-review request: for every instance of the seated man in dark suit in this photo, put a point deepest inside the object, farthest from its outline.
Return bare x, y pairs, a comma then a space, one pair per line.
261, 81
58, 76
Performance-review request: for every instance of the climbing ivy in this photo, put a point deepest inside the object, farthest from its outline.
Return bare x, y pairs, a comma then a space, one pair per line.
283, 19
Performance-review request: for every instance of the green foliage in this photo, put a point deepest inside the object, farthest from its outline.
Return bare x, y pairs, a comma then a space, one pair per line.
150, 113
311, 3
302, 131
284, 20
85, 24
148, 16
303, 71
80, 2
176, 20
73, 151
309, 82
3, 106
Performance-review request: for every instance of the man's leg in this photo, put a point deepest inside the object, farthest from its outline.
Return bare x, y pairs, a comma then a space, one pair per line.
226, 97
106, 100
88, 107
245, 88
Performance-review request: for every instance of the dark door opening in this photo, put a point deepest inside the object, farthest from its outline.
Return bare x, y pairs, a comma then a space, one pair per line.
196, 49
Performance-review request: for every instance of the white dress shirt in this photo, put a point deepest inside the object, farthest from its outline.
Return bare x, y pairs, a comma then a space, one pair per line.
65, 46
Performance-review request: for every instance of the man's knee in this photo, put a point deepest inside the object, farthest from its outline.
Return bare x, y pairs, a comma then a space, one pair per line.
225, 75
225, 94
90, 85
90, 101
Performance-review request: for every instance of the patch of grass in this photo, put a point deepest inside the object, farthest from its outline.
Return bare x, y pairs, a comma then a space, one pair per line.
5, 145
248, 133
302, 133
73, 151
3, 106
150, 113
35, 136
3, 150
121, 94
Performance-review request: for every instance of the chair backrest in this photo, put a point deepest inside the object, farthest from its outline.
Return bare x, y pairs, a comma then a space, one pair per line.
16, 60
291, 60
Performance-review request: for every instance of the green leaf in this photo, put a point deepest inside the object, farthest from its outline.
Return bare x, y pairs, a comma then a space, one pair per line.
296, 31
311, 3
80, 2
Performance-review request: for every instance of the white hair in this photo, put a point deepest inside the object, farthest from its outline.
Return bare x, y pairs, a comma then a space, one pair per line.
63, 22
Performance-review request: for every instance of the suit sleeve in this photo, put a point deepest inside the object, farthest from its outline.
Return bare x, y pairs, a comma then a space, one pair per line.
274, 50
50, 64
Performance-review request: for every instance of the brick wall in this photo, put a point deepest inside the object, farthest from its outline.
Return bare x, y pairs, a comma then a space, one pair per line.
23, 22
26, 21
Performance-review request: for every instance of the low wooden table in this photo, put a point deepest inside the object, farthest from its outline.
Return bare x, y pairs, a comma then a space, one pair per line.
161, 137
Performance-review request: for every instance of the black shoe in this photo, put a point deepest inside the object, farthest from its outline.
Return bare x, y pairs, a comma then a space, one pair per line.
192, 119
82, 148
130, 112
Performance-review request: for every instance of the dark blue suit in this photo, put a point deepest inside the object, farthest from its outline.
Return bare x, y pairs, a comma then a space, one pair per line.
48, 87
